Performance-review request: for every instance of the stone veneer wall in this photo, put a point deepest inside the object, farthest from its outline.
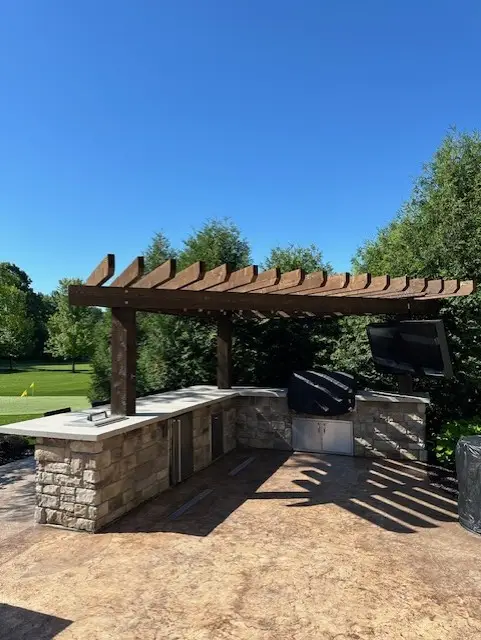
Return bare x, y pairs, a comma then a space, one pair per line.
389, 429
86, 485
264, 422
381, 429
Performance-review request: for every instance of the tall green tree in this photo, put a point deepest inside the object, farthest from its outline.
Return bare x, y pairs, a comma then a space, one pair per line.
216, 242
71, 329
436, 233
16, 325
295, 256
38, 305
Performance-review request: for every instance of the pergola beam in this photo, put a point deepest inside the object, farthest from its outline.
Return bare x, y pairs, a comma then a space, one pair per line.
160, 299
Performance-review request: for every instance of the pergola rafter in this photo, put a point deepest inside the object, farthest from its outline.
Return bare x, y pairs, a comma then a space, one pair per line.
220, 293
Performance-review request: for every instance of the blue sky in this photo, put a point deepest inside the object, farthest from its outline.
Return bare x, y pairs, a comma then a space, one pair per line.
302, 120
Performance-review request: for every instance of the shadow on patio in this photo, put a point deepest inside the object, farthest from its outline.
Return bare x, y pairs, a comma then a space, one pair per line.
394, 495
17, 623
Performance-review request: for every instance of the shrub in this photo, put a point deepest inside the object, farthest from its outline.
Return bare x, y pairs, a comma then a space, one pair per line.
449, 436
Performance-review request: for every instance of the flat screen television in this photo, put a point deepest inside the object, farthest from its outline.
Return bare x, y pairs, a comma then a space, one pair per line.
415, 347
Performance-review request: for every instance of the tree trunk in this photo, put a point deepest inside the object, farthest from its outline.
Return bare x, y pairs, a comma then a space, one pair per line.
73, 366
11, 363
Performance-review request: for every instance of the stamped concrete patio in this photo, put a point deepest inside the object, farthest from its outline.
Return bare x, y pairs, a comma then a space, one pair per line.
289, 547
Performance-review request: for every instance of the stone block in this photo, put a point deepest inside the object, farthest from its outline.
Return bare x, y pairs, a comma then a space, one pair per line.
140, 485
49, 454
52, 516
385, 445
114, 441
145, 470
81, 510
85, 525
109, 492
81, 446
148, 434
87, 496
91, 476
40, 515
76, 466
67, 491
67, 506
116, 502
128, 496
127, 464
51, 489
66, 480
116, 454
51, 502
57, 467
144, 455
99, 512
131, 443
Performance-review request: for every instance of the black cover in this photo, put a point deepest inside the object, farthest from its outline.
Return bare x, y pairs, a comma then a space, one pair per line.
415, 347
321, 392
468, 467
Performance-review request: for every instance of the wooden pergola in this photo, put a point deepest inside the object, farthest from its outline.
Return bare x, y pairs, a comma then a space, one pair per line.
221, 293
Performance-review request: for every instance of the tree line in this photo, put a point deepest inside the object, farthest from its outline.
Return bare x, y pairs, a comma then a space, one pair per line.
36, 325
436, 233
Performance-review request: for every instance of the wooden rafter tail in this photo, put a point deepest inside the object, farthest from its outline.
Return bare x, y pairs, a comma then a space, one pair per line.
376, 284
434, 287
219, 275
267, 278
396, 286
357, 284
187, 276
453, 289
130, 274
415, 288
310, 281
333, 284
103, 272
237, 279
286, 282
158, 276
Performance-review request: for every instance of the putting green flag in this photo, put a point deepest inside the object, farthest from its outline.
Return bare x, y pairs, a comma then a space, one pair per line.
24, 394
32, 387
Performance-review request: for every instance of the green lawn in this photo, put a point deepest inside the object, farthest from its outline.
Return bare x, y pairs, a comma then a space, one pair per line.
49, 379
56, 387
18, 418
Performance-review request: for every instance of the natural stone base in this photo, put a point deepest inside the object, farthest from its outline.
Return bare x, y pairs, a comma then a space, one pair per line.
85, 485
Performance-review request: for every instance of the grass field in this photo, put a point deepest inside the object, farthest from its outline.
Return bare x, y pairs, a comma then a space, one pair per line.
56, 387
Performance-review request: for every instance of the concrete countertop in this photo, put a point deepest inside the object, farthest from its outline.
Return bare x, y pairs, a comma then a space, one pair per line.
385, 396
149, 409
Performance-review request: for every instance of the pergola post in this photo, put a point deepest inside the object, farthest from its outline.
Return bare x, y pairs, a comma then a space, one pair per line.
123, 343
224, 352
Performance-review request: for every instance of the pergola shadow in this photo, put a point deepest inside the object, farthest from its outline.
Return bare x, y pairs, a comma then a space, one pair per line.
394, 495
226, 493
17, 623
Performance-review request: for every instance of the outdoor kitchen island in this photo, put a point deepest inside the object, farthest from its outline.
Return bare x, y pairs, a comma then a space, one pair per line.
89, 474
